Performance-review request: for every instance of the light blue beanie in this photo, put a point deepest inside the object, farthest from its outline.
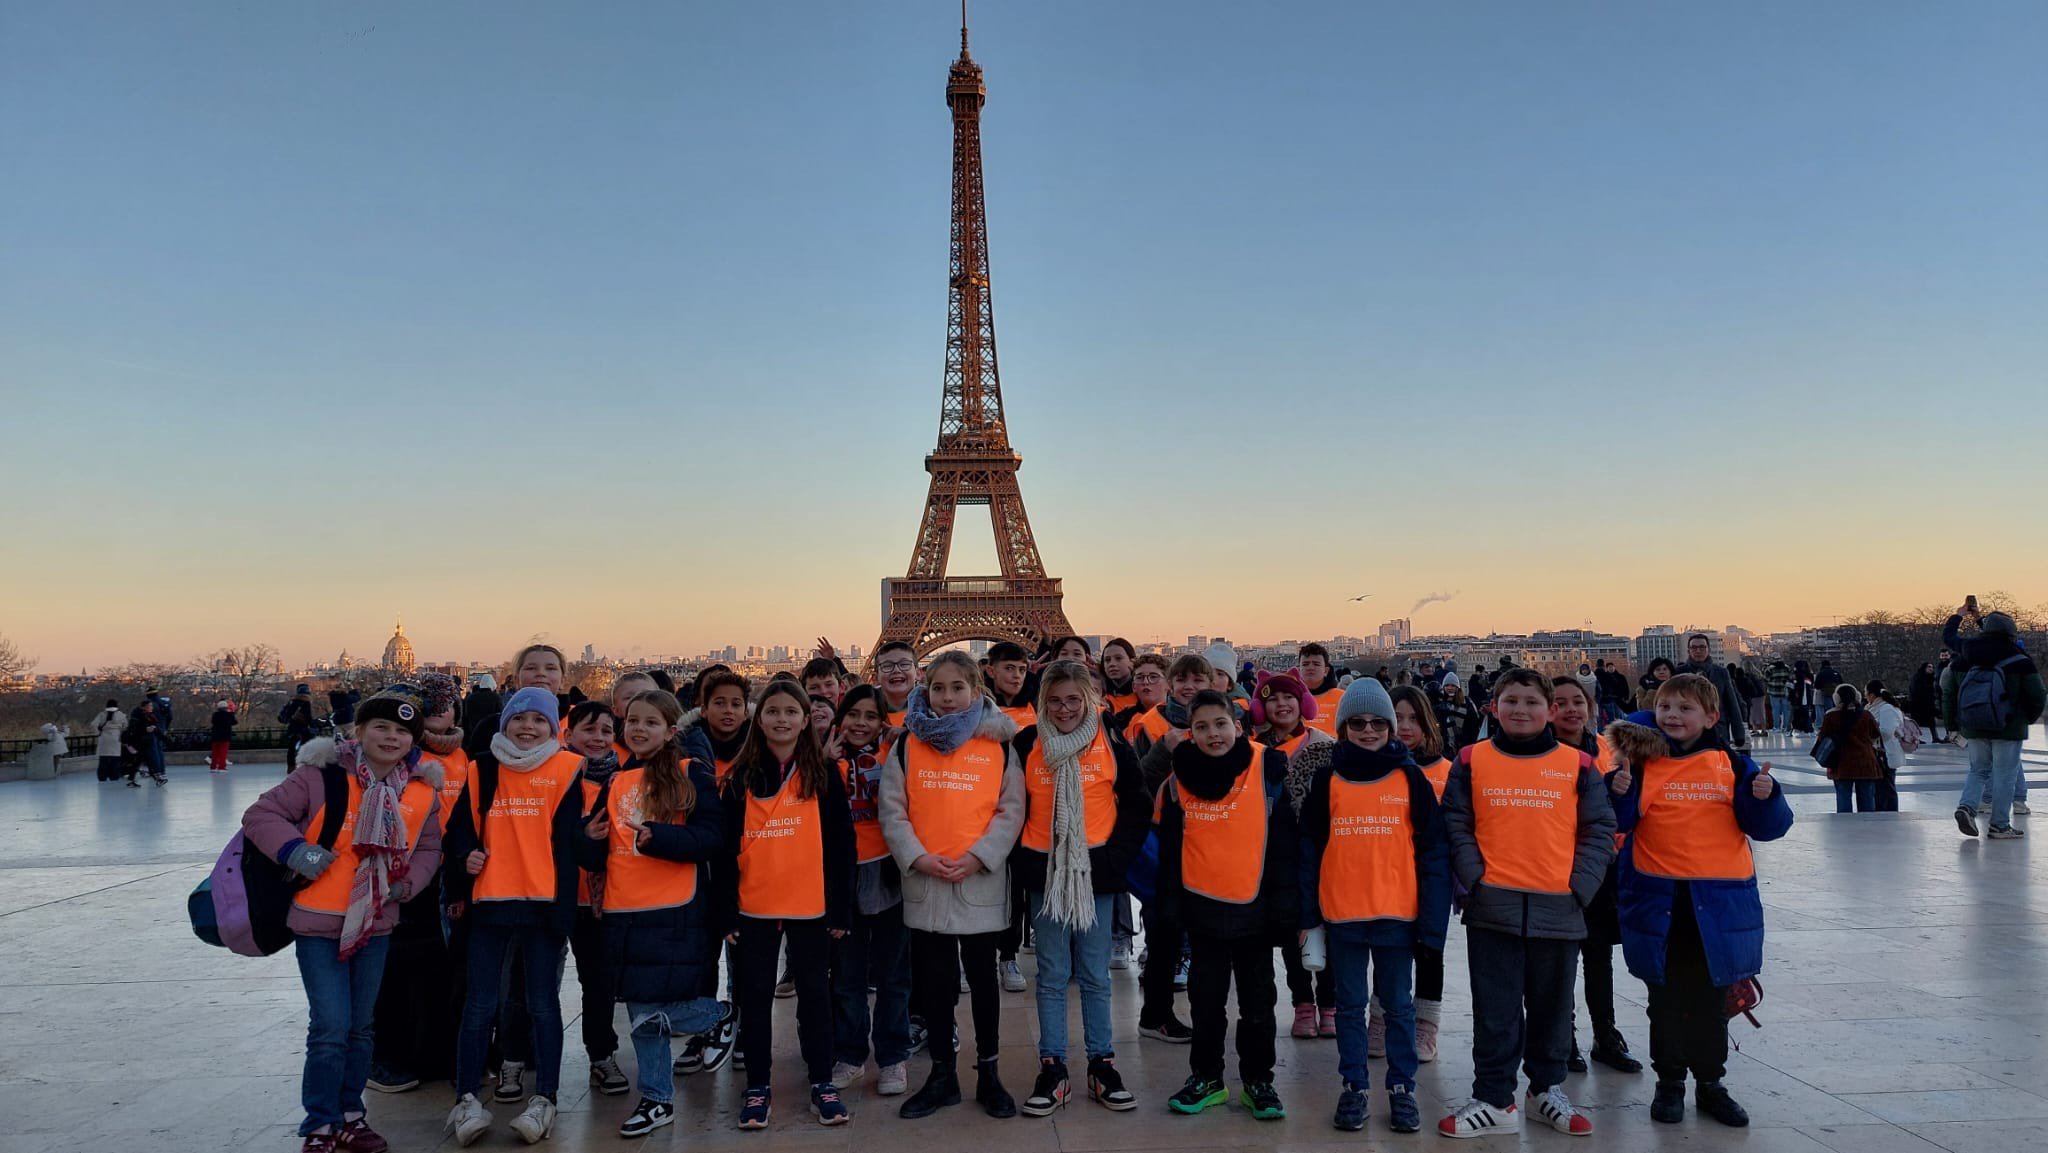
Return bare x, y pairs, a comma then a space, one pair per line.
532, 699
1365, 697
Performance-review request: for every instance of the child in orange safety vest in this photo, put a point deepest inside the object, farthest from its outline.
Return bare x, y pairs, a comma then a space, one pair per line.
1692, 922
1282, 710
876, 949
1531, 833
788, 872
1375, 880
592, 728
1415, 727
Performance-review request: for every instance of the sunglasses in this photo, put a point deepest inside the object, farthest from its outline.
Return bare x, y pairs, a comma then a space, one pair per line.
1365, 724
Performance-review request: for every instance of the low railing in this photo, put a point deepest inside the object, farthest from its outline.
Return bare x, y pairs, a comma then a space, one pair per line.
179, 741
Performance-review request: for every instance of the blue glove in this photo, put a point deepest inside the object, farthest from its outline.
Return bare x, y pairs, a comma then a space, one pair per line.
309, 860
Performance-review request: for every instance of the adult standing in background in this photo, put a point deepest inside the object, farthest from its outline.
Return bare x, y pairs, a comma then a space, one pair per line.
1805, 698
299, 725
1885, 711
1827, 680
1778, 686
223, 735
1857, 766
1923, 700
107, 728
1991, 681
1699, 660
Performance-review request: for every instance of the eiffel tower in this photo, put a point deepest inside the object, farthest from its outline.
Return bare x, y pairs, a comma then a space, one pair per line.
974, 463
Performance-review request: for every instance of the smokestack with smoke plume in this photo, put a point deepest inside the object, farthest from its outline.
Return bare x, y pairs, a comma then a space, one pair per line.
1431, 599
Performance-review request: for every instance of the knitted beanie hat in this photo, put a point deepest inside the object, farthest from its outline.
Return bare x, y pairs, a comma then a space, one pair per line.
532, 699
1366, 697
400, 703
1287, 683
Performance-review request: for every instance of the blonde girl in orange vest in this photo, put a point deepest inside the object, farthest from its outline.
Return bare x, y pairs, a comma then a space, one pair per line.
657, 825
1571, 715
876, 951
952, 804
516, 835
789, 841
1415, 727
388, 849
1086, 818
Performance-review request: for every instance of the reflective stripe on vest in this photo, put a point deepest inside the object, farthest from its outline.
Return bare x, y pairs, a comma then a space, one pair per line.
519, 831
1223, 842
1369, 863
1438, 774
1325, 720
782, 856
454, 778
1098, 795
952, 797
634, 882
863, 793
329, 894
1525, 815
1688, 830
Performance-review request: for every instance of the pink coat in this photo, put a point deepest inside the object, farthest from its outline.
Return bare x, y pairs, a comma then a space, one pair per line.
282, 816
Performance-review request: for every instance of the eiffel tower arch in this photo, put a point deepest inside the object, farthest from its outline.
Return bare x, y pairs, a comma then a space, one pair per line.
973, 463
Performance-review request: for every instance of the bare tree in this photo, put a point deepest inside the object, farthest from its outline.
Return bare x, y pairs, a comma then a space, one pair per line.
13, 663
148, 673
242, 670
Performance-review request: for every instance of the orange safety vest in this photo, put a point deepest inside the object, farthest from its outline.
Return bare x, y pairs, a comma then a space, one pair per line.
1325, 720
1438, 774
1152, 723
454, 778
1688, 831
1025, 716
1291, 744
1098, 795
518, 832
782, 856
1118, 702
861, 796
720, 770
329, 894
1525, 815
633, 882
1220, 838
1369, 863
953, 796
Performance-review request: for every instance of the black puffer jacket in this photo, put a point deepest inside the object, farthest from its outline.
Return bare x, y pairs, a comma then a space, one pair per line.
1276, 912
662, 955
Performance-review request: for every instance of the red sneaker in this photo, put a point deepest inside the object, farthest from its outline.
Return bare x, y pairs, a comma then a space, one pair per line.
357, 1137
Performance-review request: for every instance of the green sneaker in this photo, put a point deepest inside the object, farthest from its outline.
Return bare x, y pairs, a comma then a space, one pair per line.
1198, 1094
1263, 1101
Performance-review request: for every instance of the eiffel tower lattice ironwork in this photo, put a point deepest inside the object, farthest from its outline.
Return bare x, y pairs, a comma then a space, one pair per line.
974, 463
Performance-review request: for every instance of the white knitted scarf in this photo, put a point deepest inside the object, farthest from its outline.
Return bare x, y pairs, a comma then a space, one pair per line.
1069, 879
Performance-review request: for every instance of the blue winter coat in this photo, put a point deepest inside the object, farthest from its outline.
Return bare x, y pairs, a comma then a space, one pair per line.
1730, 913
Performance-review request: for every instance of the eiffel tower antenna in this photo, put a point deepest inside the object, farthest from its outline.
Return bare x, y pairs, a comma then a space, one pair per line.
973, 463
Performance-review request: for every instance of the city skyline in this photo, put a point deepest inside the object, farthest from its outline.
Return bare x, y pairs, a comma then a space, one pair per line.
1584, 310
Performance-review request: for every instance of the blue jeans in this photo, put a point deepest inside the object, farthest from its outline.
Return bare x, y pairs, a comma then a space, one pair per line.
540, 954
341, 999
1781, 713
1067, 954
1393, 977
1864, 793
876, 949
1994, 770
653, 1025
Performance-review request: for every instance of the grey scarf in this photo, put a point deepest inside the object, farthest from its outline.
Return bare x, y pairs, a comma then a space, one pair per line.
1069, 879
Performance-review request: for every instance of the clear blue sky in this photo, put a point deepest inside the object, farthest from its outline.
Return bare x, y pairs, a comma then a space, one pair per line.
310, 314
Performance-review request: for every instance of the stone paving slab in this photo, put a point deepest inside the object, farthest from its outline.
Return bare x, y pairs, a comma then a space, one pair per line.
1906, 1009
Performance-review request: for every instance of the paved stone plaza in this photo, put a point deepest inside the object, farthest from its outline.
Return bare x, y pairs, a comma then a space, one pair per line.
1906, 1008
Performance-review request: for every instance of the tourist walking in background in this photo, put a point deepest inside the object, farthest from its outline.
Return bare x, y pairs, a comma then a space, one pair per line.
1805, 698
299, 725
1991, 695
1923, 700
1850, 748
1778, 686
139, 740
222, 736
1885, 711
106, 729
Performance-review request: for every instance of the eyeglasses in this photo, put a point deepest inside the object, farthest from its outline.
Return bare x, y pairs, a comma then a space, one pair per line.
1364, 724
895, 666
1149, 679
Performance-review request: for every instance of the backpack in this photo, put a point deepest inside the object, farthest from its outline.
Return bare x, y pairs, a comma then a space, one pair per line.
242, 904
1982, 702
1909, 735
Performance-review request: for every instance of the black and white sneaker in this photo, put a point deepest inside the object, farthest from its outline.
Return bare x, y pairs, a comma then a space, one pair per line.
607, 1078
917, 1035
1966, 820
647, 1117
511, 1083
691, 1059
719, 1042
1171, 1031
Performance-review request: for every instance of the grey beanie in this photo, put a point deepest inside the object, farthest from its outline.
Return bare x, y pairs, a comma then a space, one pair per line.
1366, 696
1999, 623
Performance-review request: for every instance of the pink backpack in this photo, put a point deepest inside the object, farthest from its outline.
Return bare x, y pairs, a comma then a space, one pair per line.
242, 905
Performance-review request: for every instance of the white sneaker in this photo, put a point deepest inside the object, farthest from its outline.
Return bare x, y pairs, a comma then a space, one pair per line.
893, 1080
1555, 1109
468, 1120
2020, 808
537, 1121
1479, 1119
1120, 957
844, 1074
1013, 977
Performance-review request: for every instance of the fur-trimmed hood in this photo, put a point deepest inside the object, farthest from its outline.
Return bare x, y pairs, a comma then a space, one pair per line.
996, 724
1635, 745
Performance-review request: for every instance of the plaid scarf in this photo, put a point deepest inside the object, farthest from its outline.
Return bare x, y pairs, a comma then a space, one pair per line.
380, 844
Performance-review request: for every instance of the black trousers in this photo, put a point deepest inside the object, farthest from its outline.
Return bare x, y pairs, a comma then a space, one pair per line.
1598, 962
1688, 1014
1216, 961
1521, 1011
1163, 941
419, 1007
754, 971
594, 974
936, 962
1429, 973
1304, 987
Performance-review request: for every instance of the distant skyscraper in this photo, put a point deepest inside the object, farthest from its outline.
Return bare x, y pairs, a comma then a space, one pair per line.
589, 655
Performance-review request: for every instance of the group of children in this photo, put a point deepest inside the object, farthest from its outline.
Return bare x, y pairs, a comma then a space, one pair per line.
883, 846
